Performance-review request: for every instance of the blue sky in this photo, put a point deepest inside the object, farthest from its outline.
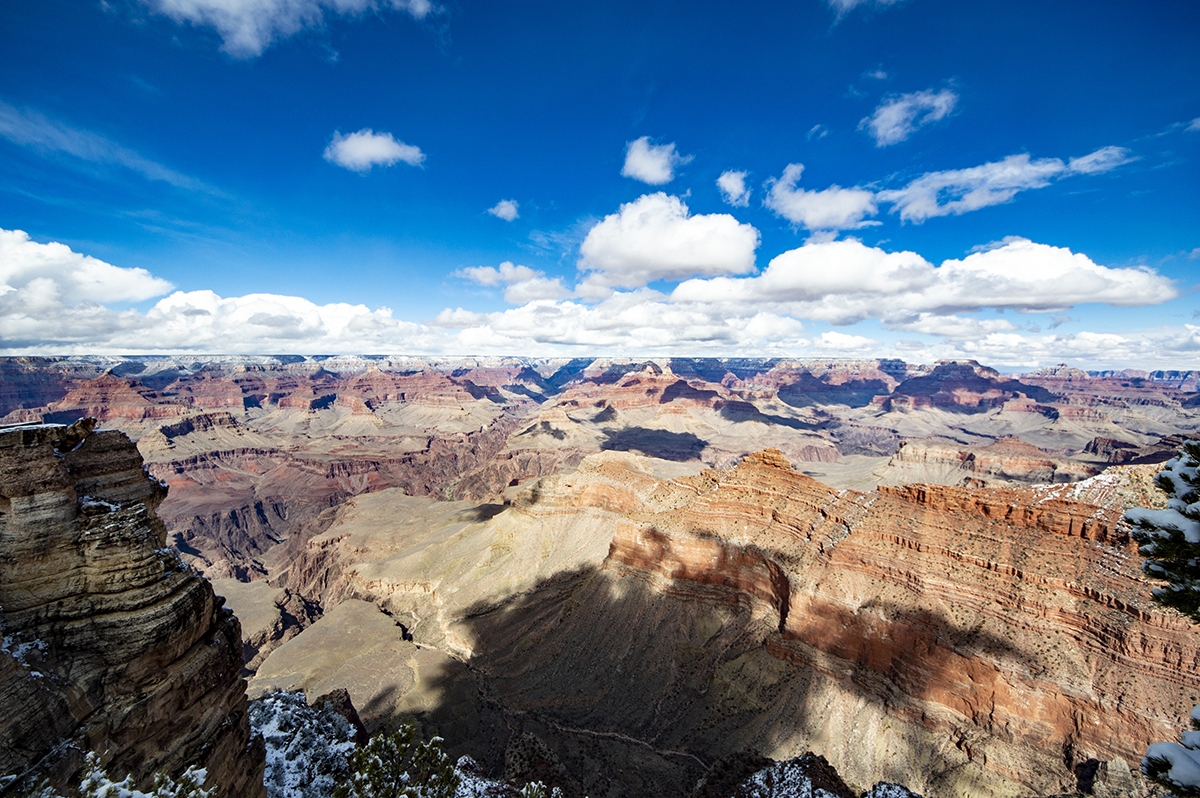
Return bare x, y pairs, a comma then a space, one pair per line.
1014, 182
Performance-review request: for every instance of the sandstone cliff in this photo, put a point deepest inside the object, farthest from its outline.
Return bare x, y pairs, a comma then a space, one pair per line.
963, 641
110, 643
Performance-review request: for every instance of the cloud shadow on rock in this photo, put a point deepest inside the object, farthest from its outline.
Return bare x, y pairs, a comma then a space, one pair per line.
663, 444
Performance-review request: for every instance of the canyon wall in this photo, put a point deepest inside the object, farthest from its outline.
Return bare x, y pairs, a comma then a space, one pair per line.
962, 641
110, 642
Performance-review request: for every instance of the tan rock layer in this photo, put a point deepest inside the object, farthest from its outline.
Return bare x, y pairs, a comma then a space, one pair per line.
1015, 622
110, 639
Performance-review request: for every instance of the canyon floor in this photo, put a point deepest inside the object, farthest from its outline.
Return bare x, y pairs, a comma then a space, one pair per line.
639, 569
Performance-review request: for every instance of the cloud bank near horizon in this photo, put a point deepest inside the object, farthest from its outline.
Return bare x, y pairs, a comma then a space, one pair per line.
54, 300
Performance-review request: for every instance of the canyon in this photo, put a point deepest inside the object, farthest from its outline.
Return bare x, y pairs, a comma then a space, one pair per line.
645, 569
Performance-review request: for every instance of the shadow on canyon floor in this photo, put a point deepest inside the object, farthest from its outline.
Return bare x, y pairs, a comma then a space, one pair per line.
635, 686
677, 446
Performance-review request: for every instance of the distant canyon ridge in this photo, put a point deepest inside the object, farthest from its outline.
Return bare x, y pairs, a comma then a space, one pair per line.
916, 571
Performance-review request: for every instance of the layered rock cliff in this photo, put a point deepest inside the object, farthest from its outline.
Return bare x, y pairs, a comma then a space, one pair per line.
110, 643
963, 641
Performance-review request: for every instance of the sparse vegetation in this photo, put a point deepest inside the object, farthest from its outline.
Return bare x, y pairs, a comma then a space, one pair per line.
1170, 541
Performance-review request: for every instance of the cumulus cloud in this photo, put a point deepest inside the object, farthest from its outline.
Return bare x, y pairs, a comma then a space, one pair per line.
31, 129
958, 191
365, 149
733, 188
836, 342
652, 163
627, 322
522, 284
897, 118
505, 209
846, 281
56, 275
57, 301
248, 27
833, 208
655, 238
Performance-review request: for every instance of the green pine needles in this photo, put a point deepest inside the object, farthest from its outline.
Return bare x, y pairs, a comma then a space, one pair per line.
397, 765
1170, 538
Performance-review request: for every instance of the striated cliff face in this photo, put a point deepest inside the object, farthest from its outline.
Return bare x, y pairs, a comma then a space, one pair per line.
1007, 461
963, 641
110, 643
1012, 624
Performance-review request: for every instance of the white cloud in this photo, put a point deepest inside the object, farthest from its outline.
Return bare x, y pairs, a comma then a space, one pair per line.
652, 163
654, 238
843, 7
1195, 125
33, 130
958, 191
505, 275
522, 284
846, 281
365, 149
897, 118
57, 275
733, 188
834, 208
505, 209
1102, 160
951, 326
833, 342
248, 27
817, 132
626, 322
56, 301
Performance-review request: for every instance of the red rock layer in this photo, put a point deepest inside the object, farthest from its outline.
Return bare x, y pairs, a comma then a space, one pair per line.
1014, 621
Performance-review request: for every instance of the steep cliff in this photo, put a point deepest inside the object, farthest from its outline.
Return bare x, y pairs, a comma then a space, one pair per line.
110, 643
963, 641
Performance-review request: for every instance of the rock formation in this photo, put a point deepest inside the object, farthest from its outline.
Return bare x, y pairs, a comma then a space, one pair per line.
991, 642
110, 642
256, 449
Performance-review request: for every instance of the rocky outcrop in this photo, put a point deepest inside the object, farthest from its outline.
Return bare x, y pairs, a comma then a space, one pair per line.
1006, 461
111, 643
962, 386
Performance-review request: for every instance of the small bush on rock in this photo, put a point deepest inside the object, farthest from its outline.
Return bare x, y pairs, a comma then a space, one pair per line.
396, 765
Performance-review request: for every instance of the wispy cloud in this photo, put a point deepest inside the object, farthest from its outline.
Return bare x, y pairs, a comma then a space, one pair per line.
248, 27
508, 210
843, 7
833, 208
1102, 160
365, 149
652, 163
958, 191
47, 136
817, 132
898, 117
1194, 126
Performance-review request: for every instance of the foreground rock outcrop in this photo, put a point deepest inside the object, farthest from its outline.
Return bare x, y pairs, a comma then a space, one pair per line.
110, 643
